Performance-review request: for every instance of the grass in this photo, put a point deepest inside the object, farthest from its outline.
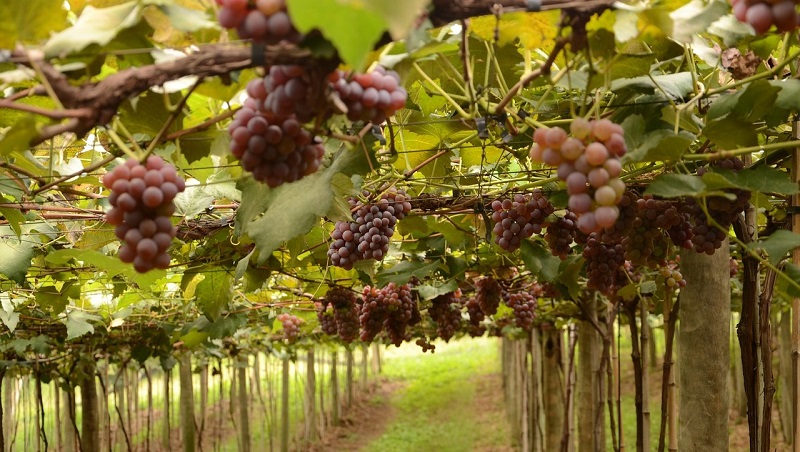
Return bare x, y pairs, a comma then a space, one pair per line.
435, 410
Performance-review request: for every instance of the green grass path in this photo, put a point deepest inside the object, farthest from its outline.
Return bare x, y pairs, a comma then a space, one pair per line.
437, 409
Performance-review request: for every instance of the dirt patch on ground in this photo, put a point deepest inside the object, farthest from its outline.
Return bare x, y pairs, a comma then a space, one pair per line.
362, 423
490, 411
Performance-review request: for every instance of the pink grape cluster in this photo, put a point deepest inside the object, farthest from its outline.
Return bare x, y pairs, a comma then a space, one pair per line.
338, 314
445, 310
519, 218
264, 21
588, 161
524, 306
142, 202
291, 326
488, 293
670, 276
763, 14
476, 317
371, 97
391, 308
275, 148
368, 235
288, 92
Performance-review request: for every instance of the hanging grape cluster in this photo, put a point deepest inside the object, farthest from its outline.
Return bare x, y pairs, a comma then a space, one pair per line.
274, 147
706, 236
291, 326
369, 97
670, 276
264, 21
763, 14
338, 314
488, 293
524, 306
588, 161
368, 235
518, 218
647, 242
603, 263
476, 316
561, 233
142, 200
445, 310
392, 308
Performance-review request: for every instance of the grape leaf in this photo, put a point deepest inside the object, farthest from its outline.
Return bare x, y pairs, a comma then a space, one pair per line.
16, 255
695, 17
778, 244
213, 293
676, 185
77, 323
539, 261
94, 26
402, 272
354, 32
433, 290
29, 20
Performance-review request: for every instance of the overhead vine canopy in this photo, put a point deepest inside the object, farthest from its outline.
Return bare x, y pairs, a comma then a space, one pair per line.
559, 147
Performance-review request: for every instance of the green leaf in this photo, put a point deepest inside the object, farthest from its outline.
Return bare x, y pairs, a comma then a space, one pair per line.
94, 26
731, 133
673, 86
351, 25
696, 17
660, 145
193, 201
539, 261
400, 16
50, 299
19, 136
568, 272
433, 290
194, 338
111, 265
78, 323
778, 244
404, 271
29, 20
762, 179
14, 217
184, 19
213, 293
16, 255
676, 185
293, 209
788, 280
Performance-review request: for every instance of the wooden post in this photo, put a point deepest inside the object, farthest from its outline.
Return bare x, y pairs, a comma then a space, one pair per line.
349, 383
795, 387
285, 406
310, 431
704, 356
244, 403
187, 402
335, 402
165, 426
90, 419
646, 358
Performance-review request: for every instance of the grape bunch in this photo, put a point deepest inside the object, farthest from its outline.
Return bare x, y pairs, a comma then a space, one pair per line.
519, 218
763, 14
628, 211
476, 316
425, 345
374, 310
670, 276
603, 263
588, 161
561, 234
291, 326
681, 234
264, 21
345, 313
734, 264
488, 293
276, 150
647, 242
368, 235
371, 97
327, 322
142, 201
524, 306
289, 92
706, 237
445, 310
401, 316
544, 290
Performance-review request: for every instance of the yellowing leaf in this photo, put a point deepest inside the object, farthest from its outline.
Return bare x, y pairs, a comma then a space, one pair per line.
532, 30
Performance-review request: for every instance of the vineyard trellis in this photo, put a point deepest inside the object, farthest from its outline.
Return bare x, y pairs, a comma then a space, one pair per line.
549, 171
